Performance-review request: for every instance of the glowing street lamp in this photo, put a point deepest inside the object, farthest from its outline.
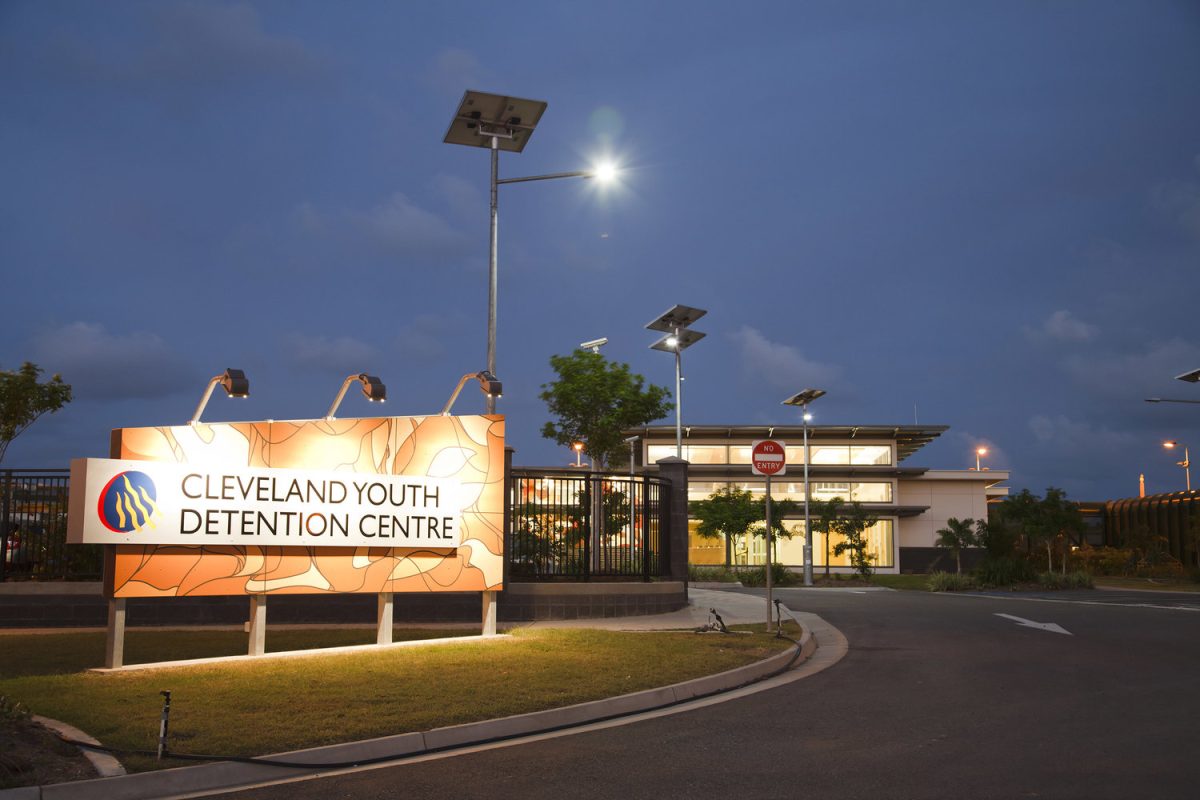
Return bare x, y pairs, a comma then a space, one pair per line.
803, 399
979, 453
498, 122
1171, 444
578, 448
233, 381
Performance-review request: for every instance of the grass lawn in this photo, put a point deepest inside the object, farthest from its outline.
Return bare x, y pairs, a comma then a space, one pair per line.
259, 707
1153, 584
916, 582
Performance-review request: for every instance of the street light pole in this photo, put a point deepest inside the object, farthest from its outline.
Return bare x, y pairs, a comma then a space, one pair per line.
678, 397
803, 399
1171, 444
675, 324
493, 271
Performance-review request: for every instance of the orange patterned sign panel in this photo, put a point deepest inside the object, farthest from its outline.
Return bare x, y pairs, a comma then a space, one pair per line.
466, 450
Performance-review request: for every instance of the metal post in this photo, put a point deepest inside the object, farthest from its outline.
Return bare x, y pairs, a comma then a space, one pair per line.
384, 615
114, 645
769, 587
808, 563
257, 627
493, 281
1187, 468
678, 398
163, 723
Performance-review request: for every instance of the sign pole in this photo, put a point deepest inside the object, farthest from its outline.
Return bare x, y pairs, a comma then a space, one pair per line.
770, 627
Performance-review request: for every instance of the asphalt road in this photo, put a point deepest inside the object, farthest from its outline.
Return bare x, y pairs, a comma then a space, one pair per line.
938, 697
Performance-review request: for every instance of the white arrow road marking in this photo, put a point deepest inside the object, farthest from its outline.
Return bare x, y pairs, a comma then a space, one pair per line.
1044, 626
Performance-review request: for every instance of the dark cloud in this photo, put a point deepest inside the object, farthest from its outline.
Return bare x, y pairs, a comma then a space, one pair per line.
101, 365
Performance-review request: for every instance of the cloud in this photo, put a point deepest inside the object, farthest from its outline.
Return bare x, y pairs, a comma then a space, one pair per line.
1180, 200
454, 70
193, 44
424, 337
782, 365
1079, 439
102, 365
462, 196
339, 354
396, 226
1062, 326
1137, 372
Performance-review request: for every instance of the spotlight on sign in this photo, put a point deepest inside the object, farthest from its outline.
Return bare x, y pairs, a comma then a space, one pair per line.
233, 381
489, 384
372, 389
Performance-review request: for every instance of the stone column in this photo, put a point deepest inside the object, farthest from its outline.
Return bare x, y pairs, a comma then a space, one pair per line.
674, 559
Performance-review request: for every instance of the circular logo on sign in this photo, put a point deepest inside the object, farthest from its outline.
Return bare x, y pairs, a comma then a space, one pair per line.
128, 502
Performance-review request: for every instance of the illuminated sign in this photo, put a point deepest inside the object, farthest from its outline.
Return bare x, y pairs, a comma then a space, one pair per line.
138, 502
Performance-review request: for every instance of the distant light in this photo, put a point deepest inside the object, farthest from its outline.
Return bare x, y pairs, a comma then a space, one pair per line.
981, 451
807, 417
578, 446
672, 341
1170, 444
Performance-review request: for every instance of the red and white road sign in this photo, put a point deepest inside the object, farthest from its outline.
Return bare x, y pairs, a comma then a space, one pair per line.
768, 457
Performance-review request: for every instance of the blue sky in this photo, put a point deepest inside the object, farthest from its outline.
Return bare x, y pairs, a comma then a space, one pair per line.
986, 211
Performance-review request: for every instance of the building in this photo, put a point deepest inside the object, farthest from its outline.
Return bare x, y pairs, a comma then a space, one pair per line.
862, 463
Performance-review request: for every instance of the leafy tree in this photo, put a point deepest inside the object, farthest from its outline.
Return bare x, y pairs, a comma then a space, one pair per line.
1044, 521
23, 399
729, 512
823, 516
595, 400
958, 535
780, 510
852, 524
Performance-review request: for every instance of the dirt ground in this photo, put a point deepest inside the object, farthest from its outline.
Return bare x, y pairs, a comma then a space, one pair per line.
31, 755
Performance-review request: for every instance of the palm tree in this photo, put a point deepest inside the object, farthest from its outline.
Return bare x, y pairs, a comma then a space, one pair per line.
955, 537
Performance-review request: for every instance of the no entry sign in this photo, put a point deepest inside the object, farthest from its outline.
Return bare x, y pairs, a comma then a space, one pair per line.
767, 457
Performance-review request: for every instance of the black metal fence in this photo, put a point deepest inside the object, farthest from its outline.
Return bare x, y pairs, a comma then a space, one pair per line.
575, 525
33, 529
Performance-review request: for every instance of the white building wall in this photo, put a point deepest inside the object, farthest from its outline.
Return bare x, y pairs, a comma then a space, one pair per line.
962, 495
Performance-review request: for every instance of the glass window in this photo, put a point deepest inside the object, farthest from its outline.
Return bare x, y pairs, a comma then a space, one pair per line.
693, 453
871, 492
827, 490
741, 455
871, 454
879, 546
830, 453
702, 490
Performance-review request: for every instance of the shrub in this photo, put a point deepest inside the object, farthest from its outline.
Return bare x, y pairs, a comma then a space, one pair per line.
757, 576
1072, 580
951, 582
1004, 571
707, 574
1104, 560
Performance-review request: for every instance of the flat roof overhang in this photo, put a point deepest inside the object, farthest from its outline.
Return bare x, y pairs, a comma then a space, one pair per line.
738, 472
908, 438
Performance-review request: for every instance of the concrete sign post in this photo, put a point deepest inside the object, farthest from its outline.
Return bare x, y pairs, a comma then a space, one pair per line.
768, 457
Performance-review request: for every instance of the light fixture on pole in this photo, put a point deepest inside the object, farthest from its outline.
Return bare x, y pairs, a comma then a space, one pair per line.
578, 448
1190, 377
498, 122
233, 381
803, 399
594, 345
488, 384
632, 442
1169, 400
979, 453
372, 389
1171, 444
674, 323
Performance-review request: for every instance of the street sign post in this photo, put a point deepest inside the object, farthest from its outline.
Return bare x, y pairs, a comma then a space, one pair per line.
768, 457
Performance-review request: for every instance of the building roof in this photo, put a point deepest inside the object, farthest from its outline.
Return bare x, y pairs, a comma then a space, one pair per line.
908, 438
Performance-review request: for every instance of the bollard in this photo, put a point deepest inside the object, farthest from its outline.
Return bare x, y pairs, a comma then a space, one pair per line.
162, 724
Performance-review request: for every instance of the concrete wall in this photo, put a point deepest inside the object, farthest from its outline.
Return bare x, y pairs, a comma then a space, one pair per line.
948, 494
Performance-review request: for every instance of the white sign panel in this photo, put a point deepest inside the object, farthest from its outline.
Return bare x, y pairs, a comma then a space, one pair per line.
154, 502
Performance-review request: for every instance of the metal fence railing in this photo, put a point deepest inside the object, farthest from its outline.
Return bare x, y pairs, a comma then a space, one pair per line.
574, 525
33, 529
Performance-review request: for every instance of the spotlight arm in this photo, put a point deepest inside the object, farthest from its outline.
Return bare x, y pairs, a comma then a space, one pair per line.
337, 401
487, 382
369, 382
212, 384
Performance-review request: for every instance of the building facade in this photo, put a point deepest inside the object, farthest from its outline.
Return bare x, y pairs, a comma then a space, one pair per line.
863, 464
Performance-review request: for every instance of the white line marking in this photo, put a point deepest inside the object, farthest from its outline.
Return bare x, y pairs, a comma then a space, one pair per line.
1043, 626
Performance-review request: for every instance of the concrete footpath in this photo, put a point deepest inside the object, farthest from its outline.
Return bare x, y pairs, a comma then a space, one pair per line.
733, 608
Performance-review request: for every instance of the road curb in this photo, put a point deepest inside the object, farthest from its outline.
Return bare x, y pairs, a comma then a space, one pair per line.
229, 775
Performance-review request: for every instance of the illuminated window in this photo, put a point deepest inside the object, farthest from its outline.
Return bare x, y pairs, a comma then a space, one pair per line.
692, 453
870, 454
871, 492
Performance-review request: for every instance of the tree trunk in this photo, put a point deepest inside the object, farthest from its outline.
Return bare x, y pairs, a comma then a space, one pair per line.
958, 562
728, 553
1049, 556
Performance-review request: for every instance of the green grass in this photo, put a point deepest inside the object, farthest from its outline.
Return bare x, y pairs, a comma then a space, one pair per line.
264, 706
914, 582
1153, 584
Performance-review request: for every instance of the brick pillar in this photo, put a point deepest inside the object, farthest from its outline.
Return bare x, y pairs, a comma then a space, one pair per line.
675, 540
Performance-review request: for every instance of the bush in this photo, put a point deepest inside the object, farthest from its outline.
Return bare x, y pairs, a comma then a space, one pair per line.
1072, 580
1104, 560
757, 576
951, 582
710, 574
1006, 571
